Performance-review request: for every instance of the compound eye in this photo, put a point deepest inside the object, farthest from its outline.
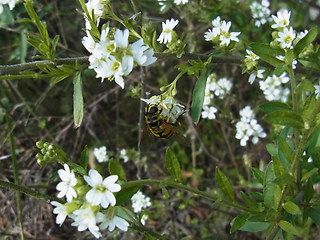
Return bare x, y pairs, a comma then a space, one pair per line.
153, 110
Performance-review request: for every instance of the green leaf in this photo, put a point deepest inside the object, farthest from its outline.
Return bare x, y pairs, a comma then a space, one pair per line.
249, 202
77, 168
238, 222
125, 194
78, 111
272, 149
224, 184
286, 152
173, 165
306, 85
115, 168
308, 174
285, 118
267, 54
286, 178
255, 226
271, 191
280, 69
288, 227
278, 167
198, 94
291, 208
273, 106
305, 41
84, 158
259, 175
165, 192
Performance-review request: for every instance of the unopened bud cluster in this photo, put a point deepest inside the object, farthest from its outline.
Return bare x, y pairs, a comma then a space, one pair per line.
48, 153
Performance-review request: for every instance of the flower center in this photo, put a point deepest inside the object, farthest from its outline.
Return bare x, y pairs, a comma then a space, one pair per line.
101, 188
115, 66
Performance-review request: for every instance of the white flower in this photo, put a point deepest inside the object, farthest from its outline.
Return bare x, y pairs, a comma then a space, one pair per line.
258, 74
123, 155
216, 23
167, 28
251, 55
282, 20
68, 182
143, 219
101, 154
282, 58
317, 91
208, 112
260, 12
172, 108
102, 190
211, 34
113, 222
142, 56
302, 34
222, 87
246, 114
88, 42
61, 211
286, 37
121, 38
95, 6
140, 201
86, 219
225, 36
178, 2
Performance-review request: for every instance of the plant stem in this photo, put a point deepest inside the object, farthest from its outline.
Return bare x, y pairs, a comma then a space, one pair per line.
15, 173
29, 191
143, 182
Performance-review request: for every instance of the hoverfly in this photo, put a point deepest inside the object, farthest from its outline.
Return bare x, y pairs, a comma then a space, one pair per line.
161, 126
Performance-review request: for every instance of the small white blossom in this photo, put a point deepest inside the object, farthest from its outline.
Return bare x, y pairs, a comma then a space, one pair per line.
302, 34
86, 219
272, 87
286, 37
140, 201
317, 91
102, 189
113, 222
260, 12
167, 28
221, 87
282, 19
178, 2
143, 219
208, 112
68, 182
61, 211
248, 127
11, 3
123, 155
101, 154
294, 62
251, 55
211, 34
225, 36
258, 74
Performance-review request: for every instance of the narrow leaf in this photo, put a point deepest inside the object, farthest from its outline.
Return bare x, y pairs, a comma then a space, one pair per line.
273, 106
173, 165
259, 175
115, 168
224, 184
238, 222
306, 86
77, 100
84, 158
291, 208
125, 194
288, 227
308, 174
285, 118
249, 202
306, 40
198, 94
271, 191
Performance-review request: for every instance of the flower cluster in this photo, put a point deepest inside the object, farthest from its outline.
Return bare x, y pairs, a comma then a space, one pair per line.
11, 3
285, 35
248, 127
165, 5
139, 202
101, 154
260, 12
220, 33
112, 56
88, 205
219, 88
273, 88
